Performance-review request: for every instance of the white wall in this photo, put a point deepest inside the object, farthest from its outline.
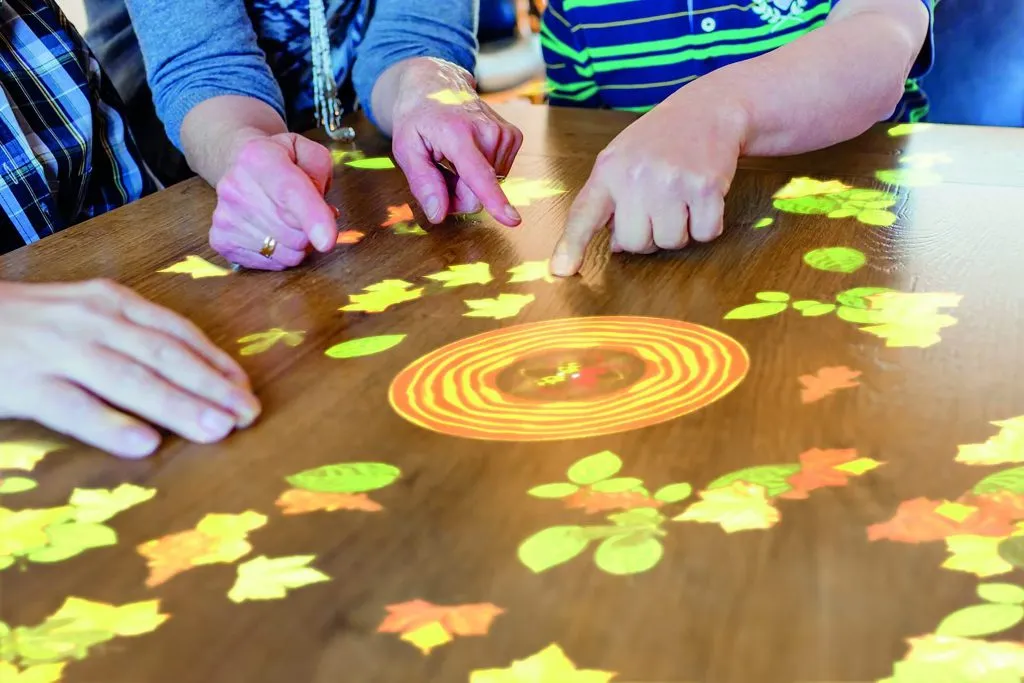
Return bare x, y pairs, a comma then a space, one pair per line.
75, 11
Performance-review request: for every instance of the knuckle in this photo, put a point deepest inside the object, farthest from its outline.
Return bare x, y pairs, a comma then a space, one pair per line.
291, 259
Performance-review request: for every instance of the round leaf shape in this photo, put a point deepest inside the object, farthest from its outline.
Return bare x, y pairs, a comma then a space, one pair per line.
1011, 480
980, 620
771, 477
673, 493
16, 485
559, 490
836, 259
551, 547
365, 346
628, 554
618, 485
817, 310
1003, 593
877, 217
594, 468
349, 477
857, 297
765, 309
772, 296
813, 205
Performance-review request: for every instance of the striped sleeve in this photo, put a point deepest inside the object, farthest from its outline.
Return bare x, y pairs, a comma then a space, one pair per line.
570, 75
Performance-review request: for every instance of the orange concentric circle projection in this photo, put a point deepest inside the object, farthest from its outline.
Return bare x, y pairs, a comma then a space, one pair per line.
569, 379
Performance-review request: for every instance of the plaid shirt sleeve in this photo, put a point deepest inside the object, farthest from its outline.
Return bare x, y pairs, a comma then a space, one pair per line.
66, 154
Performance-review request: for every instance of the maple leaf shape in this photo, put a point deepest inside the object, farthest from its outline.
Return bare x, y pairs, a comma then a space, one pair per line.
499, 308
1005, 447
736, 507
550, 665
966, 659
978, 555
349, 237
809, 187
531, 271
921, 519
398, 214
99, 505
25, 455
217, 539
264, 578
41, 673
260, 342
461, 275
522, 191
197, 267
910, 318
826, 382
427, 625
382, 296
820, 468
592, 502
23, 531
452, 97
299, 501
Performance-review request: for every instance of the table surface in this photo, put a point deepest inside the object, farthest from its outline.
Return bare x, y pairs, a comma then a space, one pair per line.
869, 520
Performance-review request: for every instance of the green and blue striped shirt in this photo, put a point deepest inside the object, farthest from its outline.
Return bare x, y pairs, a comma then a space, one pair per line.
633, 54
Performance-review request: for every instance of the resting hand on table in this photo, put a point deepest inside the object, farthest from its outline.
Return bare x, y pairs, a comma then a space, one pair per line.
434, 114
659, 184
73, 356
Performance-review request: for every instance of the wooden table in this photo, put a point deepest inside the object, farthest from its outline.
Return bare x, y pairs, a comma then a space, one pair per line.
865, 532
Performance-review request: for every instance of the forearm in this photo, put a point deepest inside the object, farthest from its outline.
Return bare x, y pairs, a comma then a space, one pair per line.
826, 87
215, 129
414, 79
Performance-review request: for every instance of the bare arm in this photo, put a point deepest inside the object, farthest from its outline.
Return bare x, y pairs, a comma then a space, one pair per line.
216, 129
826, 87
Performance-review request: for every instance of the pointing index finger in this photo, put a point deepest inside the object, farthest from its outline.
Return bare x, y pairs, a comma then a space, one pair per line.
590, 212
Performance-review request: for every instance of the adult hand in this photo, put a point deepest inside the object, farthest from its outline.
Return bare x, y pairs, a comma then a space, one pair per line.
660, 183
438, 118
274, 189
72, 355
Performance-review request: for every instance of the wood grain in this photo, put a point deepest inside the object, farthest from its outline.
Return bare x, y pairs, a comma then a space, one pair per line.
810, 599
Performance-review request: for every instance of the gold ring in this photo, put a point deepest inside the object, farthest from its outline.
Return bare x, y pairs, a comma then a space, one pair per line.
269, 245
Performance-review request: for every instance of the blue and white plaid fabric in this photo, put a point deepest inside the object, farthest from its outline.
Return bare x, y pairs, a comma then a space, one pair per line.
65, 152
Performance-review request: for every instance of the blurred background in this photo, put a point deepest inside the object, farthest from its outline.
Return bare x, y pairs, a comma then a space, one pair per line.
978, 77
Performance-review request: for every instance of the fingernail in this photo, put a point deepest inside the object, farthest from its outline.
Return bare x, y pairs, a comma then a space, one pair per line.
247, 409
138, 442
320, 236
215, 423
511, 213
433, 208
336, 210
561, 265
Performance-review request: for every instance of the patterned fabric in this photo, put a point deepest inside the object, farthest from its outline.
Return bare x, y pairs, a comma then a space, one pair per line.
282, 31
633, 54
65, 153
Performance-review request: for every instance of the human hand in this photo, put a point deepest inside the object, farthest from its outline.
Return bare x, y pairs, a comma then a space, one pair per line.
274, 189
438, 118
72, 355
660, 183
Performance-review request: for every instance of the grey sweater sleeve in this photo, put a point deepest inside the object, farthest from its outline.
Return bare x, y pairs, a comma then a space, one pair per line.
400, 29
198, 49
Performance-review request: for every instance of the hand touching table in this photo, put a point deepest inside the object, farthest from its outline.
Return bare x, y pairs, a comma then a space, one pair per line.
74, 356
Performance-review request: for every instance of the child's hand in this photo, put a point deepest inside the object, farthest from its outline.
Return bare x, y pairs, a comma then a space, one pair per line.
661, 182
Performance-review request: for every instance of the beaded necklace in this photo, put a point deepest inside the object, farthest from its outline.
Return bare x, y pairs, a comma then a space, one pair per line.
326, 104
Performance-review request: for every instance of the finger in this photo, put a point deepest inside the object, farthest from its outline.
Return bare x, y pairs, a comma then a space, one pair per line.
465, 200
176, 362
479, 175
512, 142
632, 225
133, 387
669, 225
253, 261
69, 409
301, 205
143, 312
426, 182
707, 218
237, 227
590, 212
315, 160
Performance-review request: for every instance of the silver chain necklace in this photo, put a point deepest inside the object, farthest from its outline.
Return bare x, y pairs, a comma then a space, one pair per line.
327, 106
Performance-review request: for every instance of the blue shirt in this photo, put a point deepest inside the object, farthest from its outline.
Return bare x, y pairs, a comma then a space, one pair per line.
198, 49
633, 54
65, 152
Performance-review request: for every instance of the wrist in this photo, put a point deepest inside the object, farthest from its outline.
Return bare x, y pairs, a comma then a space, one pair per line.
731, 113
